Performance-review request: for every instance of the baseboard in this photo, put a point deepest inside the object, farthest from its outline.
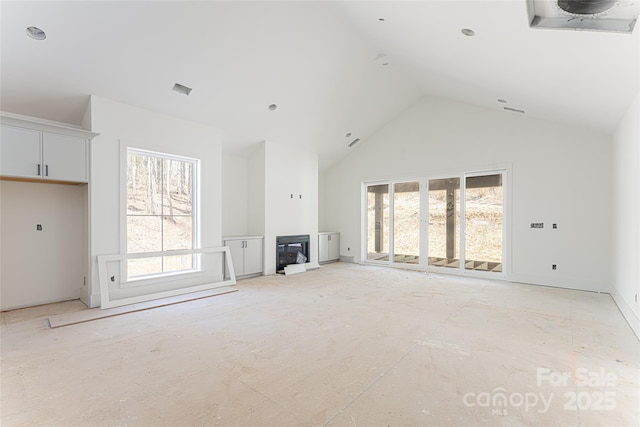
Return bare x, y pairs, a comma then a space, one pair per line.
560, 282
628, 314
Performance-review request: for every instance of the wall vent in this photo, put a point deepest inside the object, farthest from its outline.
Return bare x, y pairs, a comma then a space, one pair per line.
515, 110
181, 89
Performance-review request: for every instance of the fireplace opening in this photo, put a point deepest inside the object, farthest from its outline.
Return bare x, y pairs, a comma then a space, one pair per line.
291, 250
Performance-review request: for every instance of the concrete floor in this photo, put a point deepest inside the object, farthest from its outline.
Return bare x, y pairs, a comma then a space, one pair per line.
346, 345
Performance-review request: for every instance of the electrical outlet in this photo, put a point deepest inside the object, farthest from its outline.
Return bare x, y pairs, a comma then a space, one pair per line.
553, 266
555, 226
39, 227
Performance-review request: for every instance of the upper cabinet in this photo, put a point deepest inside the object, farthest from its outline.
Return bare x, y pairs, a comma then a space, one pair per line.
43, 152
64, 157
20, 152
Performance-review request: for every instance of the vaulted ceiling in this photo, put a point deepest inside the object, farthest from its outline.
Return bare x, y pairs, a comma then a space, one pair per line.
333, 68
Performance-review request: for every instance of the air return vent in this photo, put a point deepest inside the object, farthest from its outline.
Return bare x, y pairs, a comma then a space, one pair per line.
181, 89
515, 110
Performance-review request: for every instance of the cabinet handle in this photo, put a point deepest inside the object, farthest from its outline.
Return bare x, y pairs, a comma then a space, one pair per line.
46, 170
38, 169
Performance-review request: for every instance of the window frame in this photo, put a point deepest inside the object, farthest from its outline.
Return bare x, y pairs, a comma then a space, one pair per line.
195, 221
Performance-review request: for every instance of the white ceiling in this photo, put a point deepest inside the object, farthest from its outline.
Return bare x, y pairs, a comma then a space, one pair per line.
320, 62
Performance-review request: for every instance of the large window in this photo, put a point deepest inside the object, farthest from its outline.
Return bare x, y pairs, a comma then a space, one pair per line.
161, 214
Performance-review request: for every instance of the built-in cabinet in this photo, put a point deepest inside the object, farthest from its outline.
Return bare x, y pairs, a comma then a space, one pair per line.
29, 153
246, 254
328, 247
45, 226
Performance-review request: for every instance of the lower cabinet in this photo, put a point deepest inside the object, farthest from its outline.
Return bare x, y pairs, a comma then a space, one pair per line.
246, 254
328, 247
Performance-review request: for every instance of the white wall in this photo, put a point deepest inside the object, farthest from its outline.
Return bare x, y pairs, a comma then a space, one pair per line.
235, 181
135, 127
39, 267
257, 191
626, 206
290, 172
559, 175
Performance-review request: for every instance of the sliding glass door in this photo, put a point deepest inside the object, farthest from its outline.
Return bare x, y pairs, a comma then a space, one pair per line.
444, 222
406, 223
455, 223
483, 223
378, 222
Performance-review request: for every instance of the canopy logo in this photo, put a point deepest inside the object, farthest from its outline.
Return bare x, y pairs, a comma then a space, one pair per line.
584, 398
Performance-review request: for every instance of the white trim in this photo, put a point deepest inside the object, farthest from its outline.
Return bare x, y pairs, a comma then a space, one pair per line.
627, 312
43, 125
106, 302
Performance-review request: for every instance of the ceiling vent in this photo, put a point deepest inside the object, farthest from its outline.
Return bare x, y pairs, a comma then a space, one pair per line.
515, 110
618, 16
181, 89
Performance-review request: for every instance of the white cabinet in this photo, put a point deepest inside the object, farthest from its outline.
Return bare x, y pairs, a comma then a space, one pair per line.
34, 154
328, 247
64, 157
19, 152
246, 254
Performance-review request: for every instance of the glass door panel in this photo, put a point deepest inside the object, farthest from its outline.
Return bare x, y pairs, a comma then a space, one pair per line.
444, 222
406, 222
484, 217
378, 222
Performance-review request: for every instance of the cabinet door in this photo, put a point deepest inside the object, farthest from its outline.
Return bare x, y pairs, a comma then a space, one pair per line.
64, 157
323, 247
253, 256
237, 255
334, 246
19, 152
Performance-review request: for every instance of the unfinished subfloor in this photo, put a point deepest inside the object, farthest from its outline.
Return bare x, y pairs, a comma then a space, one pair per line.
346, 345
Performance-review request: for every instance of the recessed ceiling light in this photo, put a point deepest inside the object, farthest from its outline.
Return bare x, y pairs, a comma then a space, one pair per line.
468, 32
273, 107
502, 101
348, 135
36, 33
182, 89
